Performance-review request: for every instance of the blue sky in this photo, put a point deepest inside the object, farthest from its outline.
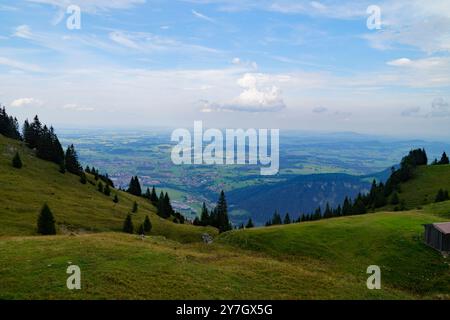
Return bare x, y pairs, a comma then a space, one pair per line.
307, 65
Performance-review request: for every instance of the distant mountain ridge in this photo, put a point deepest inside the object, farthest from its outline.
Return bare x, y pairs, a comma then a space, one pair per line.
298, 195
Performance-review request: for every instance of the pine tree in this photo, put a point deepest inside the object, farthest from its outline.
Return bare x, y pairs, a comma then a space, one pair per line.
347, 207
287, 219
328, 212
71, 161
205, 218
128, 225
141, 229
148, 194
147, 225
223, 223
161, 209
317, 214
107, 190
9, 127
444, 159
116, 199
135, 207
135, 187
276, 219
100, 187
46, 222
249, 224
32, 132
180, 217
62, 168
83, 178
359, 207
154, 197
16, 161
395, 200
196, 222
169, 210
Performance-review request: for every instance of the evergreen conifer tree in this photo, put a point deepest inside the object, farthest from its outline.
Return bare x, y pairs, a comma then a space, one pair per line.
107, 190
128, 225
46, 222
83, 178
135, 207
205, 218
249, 224
223, 223
71, 161
147, 225
444, 159
100, 187
287, 219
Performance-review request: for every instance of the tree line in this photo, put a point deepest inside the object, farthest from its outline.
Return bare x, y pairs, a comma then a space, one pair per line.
380, 194
217, 217
162, 203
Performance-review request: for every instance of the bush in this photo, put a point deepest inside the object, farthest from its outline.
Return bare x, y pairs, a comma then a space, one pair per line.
16, 161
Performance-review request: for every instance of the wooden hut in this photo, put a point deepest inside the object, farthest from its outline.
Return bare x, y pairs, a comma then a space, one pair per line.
437, 235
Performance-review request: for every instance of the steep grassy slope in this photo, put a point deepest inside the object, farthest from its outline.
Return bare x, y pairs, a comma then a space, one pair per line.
424, 186
392, 241
75, 206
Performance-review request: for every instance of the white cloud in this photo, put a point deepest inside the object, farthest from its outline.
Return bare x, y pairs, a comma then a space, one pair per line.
75, 107
147, 42
256, 96
123, 40
92, 6
26, 102
23, 31
20, 65
247, 64
440, 108
400, 62
424, 25
7, 8
202, 16
427, 63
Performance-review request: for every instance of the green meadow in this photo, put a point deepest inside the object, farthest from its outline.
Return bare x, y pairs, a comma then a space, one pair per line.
325, 259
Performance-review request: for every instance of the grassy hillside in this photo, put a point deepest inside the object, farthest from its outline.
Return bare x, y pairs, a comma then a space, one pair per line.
75, 206
424, 186
325, 259
118, 266
349, 245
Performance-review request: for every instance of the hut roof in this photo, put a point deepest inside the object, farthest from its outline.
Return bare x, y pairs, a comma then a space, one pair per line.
443, 227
